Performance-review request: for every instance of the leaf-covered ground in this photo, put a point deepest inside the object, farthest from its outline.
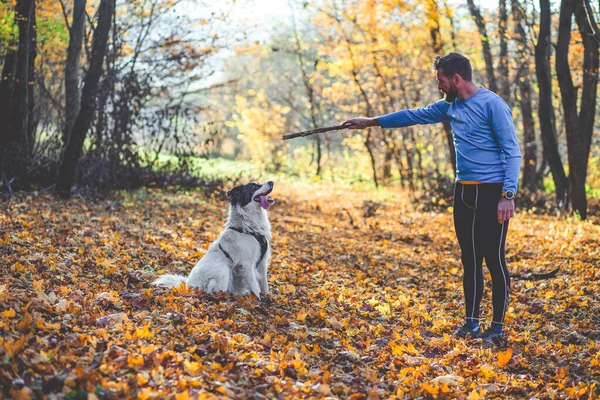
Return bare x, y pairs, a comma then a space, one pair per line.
365, 294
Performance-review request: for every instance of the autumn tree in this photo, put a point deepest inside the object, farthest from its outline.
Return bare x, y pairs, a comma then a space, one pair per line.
16, 100
434, 21
313, 91
546, 113
72, 65
531, 177
373, 62
486, 47
503, 67
74, 146
151, 97
579, 121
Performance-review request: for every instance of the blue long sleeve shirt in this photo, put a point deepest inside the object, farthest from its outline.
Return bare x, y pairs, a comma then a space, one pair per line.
487, 149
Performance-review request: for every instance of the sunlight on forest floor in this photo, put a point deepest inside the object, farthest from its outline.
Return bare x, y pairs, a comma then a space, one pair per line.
366, 291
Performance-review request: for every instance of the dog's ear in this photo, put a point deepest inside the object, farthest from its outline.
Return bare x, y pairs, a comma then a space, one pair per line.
233, 195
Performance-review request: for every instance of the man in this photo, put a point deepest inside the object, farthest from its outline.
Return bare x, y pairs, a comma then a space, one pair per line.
488, 161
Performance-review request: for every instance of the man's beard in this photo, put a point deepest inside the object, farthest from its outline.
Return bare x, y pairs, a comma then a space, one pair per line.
450, 95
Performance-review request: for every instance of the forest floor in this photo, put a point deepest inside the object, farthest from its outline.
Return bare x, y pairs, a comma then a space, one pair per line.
365, 293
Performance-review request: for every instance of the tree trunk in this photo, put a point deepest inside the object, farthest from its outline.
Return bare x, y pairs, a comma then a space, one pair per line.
16, 102
369, 145
368, 142
568, 91
546, 108
530, 176
310, 93
450, 16
485, 45
438, 47
578, 125
66, 172
32, 119
319, 156
76, 32
590, 35
504, 81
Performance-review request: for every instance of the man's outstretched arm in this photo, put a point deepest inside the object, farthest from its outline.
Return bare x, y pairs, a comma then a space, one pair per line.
362, 123
431, 114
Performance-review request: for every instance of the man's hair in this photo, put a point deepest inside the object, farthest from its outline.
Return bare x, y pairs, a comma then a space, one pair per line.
452, 64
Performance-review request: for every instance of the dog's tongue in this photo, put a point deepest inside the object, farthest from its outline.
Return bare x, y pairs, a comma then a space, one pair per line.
264, 202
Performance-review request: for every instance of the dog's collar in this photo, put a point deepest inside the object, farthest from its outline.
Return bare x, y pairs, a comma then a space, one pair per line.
262, 240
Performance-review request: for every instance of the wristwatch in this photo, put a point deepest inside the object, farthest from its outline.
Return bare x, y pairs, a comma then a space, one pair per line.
508, 195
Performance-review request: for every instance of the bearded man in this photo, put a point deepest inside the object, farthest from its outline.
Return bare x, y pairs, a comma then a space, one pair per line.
488, 162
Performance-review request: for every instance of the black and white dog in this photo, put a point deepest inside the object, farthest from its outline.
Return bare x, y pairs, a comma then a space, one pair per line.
237, 261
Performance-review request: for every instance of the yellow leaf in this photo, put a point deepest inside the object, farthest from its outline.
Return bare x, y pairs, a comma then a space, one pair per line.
192, 367
504, 357
143, 333
145, 394
487, 372
11, 347
301, 316
384, 309
183, 395
226, 391
107, 263
474, 395
430, 389
142, 378
17, 267
9, 313
134, 361
397, 350
287, 289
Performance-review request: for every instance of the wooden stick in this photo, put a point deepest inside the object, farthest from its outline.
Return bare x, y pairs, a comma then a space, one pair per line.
313, 131
532, 276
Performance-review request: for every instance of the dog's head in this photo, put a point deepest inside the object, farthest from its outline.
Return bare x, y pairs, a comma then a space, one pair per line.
251, 194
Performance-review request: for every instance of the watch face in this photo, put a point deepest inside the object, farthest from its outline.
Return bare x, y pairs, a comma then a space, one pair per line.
509, 195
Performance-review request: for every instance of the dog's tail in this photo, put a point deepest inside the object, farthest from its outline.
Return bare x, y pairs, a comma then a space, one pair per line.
169, 280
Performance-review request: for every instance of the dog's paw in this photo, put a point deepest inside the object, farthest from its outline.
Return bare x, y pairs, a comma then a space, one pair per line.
266, 299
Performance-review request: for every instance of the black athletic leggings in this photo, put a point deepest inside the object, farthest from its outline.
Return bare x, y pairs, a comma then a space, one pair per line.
481, 236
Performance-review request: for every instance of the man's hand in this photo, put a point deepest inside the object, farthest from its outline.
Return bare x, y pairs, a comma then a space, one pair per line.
506, 209
361, 123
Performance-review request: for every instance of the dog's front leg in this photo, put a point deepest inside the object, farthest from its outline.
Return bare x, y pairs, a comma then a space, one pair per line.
253, 282
247, 279
262, 272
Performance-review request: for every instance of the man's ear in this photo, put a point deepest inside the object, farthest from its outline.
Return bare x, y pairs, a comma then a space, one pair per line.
456, 78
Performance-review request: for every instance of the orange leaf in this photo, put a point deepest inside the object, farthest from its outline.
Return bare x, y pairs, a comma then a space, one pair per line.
134, 361
10, 313
143, 333
301, 315
183, 395
430, 389
287, 289
504, 357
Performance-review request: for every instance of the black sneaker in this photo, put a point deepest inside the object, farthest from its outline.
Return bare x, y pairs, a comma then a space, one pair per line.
491, 336
464, 332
